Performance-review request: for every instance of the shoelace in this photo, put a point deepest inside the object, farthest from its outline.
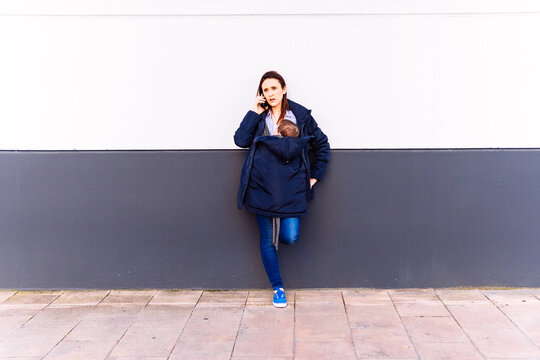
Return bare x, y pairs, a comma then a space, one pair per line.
280, 293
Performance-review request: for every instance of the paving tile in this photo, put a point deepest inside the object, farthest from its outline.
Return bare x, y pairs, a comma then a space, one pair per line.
447, 351
319, 308
366, 297
521, 309
213, 298
434, 329
129, 297
33, 298
266, 331
8, 324
265, 342
516, 296
422, 308
113, 314
268, 317
146, 342
197, 350
459, 296
6, 294
263, 297
163, 316
89, 330
80, 298
108, 311
526, 316
218, 313
176, 297
19, 310
201, 330
80, 350
261, 358
317, 327
318, 296
5, 332
373, 316
13, 321
313, 350
383, 343
66, 317
213, 324
31, 342
533, 335
412, 295
477, 316
504, 343
137, 358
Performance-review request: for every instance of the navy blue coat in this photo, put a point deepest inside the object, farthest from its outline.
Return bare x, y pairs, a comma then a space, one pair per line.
278, 181
252, 126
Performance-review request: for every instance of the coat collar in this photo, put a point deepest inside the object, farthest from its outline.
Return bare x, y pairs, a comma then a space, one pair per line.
300, 112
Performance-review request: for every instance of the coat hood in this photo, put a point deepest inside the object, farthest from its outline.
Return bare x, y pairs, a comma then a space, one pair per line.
285, 148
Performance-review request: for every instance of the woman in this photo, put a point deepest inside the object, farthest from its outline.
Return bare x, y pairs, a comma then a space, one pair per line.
271, 106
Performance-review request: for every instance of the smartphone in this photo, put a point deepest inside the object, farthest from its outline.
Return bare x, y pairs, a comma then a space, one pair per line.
264, 104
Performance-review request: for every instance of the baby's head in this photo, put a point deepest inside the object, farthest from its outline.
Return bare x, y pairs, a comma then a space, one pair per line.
288, 128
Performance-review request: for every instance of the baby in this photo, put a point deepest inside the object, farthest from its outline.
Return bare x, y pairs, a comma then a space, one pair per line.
288, 128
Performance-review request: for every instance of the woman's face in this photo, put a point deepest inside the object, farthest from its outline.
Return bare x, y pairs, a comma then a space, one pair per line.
273, 92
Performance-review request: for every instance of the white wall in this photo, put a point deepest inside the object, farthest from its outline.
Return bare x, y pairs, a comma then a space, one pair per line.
168, 75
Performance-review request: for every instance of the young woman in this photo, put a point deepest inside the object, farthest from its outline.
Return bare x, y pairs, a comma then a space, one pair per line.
271, 106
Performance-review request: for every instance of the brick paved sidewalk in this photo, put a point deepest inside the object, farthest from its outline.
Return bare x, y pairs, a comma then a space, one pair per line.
317, 324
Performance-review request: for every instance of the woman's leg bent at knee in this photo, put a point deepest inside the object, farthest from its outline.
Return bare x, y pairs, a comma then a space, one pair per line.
289, 230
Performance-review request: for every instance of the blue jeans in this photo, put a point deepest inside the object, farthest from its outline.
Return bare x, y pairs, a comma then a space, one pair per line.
288, 234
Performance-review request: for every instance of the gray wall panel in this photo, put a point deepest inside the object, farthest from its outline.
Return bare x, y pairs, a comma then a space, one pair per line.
168, 219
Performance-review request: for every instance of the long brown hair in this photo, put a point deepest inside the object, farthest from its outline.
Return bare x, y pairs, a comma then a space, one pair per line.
284, 102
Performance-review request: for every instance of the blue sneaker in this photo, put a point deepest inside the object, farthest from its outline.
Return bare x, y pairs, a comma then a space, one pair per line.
279, 297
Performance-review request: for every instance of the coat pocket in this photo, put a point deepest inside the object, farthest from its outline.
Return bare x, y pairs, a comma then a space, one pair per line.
311, 194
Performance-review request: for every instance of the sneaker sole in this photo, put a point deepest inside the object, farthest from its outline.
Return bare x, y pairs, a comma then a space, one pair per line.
280, 305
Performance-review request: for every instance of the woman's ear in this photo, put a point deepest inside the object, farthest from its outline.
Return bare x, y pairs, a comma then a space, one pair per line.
284, 89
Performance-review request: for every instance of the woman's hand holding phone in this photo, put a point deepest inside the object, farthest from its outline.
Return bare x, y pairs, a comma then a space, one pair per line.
258, 106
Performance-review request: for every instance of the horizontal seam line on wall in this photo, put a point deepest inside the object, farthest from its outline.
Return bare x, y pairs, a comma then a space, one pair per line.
240, 150
272, 15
